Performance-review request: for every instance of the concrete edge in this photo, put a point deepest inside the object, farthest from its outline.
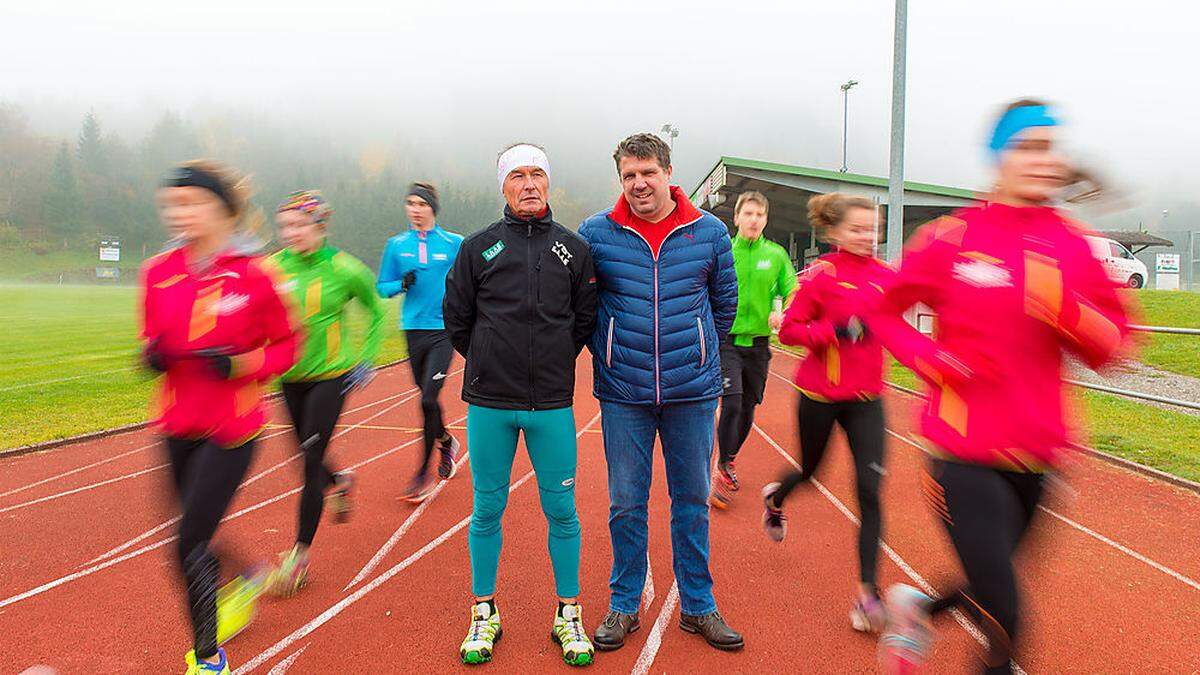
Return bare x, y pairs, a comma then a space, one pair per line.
105, 433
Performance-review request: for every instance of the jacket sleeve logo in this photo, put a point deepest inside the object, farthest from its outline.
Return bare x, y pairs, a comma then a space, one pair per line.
561, 251
493, 251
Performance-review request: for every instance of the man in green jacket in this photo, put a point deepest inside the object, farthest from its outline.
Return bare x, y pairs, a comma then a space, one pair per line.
765, 275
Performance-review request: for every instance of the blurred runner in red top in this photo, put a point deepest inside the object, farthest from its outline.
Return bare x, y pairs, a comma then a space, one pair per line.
1015, 288
215, 326
841, 377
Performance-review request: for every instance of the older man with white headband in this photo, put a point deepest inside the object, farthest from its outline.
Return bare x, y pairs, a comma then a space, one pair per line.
520, 305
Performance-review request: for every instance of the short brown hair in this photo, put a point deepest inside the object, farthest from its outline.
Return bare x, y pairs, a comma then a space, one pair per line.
644, 146
827, 211
751, 196
430, 187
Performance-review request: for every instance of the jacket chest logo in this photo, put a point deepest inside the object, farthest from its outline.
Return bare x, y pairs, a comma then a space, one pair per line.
439, 256
230, 304
561, 251
982, 274
493, 251
764, 264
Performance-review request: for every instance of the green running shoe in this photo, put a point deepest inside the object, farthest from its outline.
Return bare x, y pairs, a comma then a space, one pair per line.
568, 632
482, 635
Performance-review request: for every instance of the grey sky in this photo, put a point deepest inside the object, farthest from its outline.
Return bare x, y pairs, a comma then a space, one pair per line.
748, 78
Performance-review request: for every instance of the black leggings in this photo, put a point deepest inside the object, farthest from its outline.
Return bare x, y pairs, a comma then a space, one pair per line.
314, 408
206, 478
744, 379
987, 513
429, 353
863, 424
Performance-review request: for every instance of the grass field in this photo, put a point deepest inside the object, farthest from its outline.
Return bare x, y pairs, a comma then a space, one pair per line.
1163, 439
1175, 353
70, 360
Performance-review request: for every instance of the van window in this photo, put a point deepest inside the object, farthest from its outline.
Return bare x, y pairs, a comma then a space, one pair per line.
1119, 251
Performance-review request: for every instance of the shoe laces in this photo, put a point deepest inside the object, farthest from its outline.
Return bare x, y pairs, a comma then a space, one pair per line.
573, 627
612, 618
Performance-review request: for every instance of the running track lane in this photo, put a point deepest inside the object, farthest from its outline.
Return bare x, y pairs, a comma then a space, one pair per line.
1092, 608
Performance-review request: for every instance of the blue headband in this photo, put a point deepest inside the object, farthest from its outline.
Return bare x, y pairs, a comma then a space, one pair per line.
1017, 120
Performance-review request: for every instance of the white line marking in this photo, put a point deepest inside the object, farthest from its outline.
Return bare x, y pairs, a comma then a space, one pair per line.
159, 544
85, 488
159, 442
282, 667
82, 468
654, 639
1123, 549
400, 531
254, 478
888, 550
338, 607
1096, 535
648, 594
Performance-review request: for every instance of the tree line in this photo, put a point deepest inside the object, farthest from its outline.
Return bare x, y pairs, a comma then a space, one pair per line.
71, 192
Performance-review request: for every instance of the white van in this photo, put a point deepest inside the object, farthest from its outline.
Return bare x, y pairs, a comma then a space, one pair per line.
1118, 262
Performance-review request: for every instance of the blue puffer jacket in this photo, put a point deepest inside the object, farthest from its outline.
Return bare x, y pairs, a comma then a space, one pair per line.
659, 321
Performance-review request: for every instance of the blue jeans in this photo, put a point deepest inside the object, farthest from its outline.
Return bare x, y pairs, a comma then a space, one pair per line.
686, 431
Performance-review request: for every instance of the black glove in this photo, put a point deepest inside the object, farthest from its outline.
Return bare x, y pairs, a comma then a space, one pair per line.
410, 278
358, 377
219, 361
853, 332
154, 358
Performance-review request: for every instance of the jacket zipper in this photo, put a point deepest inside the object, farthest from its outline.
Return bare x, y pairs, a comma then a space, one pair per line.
529, 266
612, 321
703, 347
654, 257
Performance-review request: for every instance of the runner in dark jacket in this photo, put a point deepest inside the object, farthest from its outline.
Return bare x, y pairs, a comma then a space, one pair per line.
520, 305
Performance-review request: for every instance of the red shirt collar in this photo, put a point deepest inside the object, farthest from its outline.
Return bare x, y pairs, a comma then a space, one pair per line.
684, 211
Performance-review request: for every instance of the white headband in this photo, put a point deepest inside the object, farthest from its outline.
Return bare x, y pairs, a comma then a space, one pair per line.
519, 156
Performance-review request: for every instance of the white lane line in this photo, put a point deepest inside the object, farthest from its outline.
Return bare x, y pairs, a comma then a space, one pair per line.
1095, 535
888, 550
340, 606
654, 639
400, 531
648, 594
1124, 549
282, 667
159, 544
82, 468
84, 488
157, 528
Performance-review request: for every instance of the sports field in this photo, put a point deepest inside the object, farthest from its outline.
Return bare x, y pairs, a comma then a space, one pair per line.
69, 365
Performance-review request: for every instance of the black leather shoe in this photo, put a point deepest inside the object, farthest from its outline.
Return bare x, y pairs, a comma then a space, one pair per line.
611, 632
713, 629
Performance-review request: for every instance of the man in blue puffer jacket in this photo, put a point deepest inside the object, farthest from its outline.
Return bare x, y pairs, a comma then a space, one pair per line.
667, 292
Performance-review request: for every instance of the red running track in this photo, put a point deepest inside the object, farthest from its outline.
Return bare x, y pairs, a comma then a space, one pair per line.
88, 583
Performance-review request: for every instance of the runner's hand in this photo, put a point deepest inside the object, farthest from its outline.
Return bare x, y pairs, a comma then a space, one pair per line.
218, 360
358, 377
410, 278
853, 332
775, 321
154, 358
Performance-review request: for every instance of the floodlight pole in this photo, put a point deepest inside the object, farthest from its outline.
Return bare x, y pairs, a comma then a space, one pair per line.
895, 214
845, 118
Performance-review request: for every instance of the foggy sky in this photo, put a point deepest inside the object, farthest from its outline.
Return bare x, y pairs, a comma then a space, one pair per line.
748, 78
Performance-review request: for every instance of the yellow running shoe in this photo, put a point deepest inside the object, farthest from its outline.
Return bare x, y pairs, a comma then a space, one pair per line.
237, 602
221, 667
568, 632
482, 635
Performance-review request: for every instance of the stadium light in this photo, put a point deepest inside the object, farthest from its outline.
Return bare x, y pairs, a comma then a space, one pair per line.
845, 117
